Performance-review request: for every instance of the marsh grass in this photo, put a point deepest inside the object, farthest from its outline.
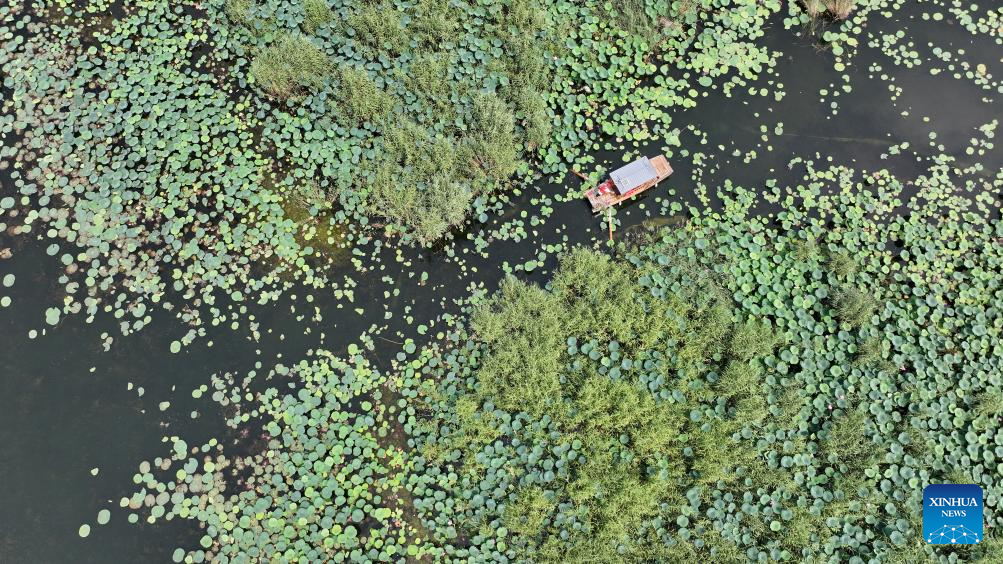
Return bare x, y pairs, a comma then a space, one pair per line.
846, 439
416, 187
806, 249
428, 210
379, 28
854, 306
316, 14
989, 405
424, 185
432, 23
535, 118
529, 512
869, 352
752, 339
633, 17
837, 9
840, 9
360, 98
423, 174
492, 145
290, 65
428, 76
239, 11
814, 8
842, 264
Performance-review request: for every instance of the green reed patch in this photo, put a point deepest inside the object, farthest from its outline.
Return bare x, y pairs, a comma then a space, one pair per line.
292, 64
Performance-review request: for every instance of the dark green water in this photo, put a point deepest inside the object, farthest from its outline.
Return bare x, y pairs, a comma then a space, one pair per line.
66, 406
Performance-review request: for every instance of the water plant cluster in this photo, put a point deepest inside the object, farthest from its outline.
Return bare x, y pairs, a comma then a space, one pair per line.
417, 115
319, 486
180, 155
140, 167
736, 388
413, 113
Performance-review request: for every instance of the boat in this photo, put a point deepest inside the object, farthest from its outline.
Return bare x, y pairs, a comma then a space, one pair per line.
628, 181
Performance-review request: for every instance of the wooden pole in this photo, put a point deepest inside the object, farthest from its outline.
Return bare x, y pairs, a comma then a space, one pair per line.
609, 220
579, 175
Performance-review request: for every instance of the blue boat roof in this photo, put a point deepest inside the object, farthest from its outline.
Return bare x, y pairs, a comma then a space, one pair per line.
628, 177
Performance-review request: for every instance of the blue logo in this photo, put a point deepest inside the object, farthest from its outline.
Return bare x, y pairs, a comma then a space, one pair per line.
952, 514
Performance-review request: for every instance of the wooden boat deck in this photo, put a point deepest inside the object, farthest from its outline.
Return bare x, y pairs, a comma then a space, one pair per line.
662, 167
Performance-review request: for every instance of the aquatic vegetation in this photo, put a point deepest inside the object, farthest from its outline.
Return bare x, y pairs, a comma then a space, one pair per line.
142, 168
406, 141
814, 7
361, 99
316, 13
411, 120
839, 9
525, 60
163, 142
623, 91
735, 388
239, 11
725, 391
291, 64
318, 486
777, 378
